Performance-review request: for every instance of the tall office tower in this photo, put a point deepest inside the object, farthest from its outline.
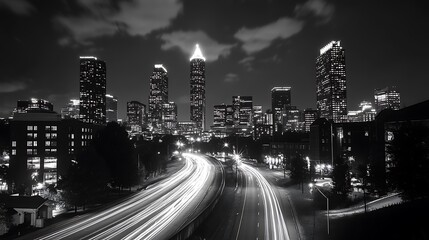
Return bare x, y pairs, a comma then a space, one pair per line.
280, 98
92, 107
257, 115
292, 120
135, 115
243, 110
219, 115
198, 88
71, 110
310, 115
388, 97
169, 117
111, 108
158, 95
331, 82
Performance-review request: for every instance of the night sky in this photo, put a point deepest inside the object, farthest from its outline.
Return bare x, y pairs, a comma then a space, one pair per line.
250, 47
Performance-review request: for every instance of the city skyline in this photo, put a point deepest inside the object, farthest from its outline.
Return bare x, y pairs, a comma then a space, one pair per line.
236, 57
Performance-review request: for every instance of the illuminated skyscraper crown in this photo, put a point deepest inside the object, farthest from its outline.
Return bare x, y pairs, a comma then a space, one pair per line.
197, 54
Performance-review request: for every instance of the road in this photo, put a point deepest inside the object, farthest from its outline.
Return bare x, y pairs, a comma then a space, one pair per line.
155, 213
247, 210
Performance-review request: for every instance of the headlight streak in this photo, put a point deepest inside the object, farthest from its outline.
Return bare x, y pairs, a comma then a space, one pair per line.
169, 198
275, 226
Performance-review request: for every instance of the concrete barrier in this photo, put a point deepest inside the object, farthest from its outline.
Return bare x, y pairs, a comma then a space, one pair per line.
189, 228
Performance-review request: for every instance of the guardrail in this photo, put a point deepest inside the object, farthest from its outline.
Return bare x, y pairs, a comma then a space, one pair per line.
187, 230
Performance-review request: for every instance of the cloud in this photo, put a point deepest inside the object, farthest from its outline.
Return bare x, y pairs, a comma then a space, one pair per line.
10, 87
247, 63
256, 39
231, 77
317, 8
139, 17
20, 7
186, 41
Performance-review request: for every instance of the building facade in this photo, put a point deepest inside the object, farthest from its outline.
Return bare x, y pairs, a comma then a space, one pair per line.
331, 82
387, 98
158, 95
280, 98
71, 110
243, 111
169, 117
198, 88
310, 115
136, 112
111, 108
92, 107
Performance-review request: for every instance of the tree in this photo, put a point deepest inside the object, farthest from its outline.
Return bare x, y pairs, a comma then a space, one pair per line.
409, 166
341, 178
298, 171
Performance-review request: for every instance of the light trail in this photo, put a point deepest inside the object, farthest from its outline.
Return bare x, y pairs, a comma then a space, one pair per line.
152, 213
275, 226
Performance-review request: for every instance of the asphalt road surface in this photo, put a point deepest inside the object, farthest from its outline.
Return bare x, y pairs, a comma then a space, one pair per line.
155, 213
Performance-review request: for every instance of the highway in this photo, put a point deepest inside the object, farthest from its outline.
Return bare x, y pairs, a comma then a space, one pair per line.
155, 213
248, 209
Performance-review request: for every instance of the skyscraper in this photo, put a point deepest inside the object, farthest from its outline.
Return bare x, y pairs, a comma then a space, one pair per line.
331, 82
111, 108
387, 97
92, 90
198, 88
135, 115
280, 98
158, 95
243, 109
310, 115
169, 117
71, 110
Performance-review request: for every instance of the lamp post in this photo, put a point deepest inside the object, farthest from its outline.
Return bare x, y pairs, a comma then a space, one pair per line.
327, 204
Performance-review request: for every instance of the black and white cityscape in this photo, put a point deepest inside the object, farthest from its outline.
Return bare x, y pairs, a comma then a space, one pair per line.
204, 119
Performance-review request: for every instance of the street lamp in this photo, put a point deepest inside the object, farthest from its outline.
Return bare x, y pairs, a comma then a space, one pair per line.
311, 185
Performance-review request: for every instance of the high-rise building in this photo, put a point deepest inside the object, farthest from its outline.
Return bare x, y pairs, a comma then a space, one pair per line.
292, 120
111, 108
366, 113
92, 107
243, 110
71, 110
280, 98
331, 82
169, 117
258, 115
388, 97
158, 95
198, 88
310, 115
219, 115
135, 115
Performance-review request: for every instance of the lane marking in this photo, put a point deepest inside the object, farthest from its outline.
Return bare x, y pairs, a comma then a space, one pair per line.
242, 211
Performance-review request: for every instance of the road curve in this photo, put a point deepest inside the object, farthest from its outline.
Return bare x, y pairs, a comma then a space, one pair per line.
274, 224
155, 213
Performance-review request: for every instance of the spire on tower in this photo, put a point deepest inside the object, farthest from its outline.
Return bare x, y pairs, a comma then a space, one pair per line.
197, 54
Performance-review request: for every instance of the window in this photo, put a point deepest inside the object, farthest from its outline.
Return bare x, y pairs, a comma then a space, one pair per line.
35, 128
13, 143
50, 163
53, 135
47, 143
14, 152
35, 143
29, 143
29, 128
33, 163
54, 128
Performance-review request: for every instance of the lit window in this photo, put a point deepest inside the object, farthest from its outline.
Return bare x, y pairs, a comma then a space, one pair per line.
13, 151
29, 128
29, 143
13, 143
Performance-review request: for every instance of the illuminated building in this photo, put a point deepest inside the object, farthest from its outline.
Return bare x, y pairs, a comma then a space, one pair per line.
219, 115
43, 146
310, 115
331, 82
365, 114
158, 95
169, 117
135, 115
280, 98
243, 110
198, 88
257, 115
292, 120
71, 110
92, 107
111, 108
387, 98
34, 104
